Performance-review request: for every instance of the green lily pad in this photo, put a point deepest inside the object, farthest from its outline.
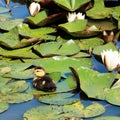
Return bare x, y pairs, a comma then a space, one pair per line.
116, 12
18, 53
56, 76
86, 44
17, 74
4, 80
79, 111
66, 85
42, 19
17, 98
26, 31
77, 25
78, 28
10, 24
103, 24
58, 99
95, 84
60, 63
107, 118
10, 39
71, 5
3, 107
53, 112
56, 48
42, 113
13, 87
113, 96
98, 49
99, 11
93, 110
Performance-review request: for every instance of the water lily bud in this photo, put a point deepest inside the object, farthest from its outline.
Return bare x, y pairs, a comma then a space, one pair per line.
108, 38
111, 59
34, 8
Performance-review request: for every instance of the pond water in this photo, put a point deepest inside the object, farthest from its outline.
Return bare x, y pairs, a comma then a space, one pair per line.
15, 111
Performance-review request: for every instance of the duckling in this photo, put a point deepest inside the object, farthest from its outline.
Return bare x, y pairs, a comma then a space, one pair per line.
42, 81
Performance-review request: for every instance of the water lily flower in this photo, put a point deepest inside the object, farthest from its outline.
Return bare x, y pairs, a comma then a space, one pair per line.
34, 8
111, 59
74, 16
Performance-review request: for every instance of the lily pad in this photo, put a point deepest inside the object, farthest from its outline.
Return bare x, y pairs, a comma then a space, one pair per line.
103, 24
95, 84
60, 63
66, 85
42, 18
113, 96
13, 87
56, 48
18, 53
53, 112
3, 107
26, 31
58, 99
10, 39
17, 98
71, 5
10, 24
17, 74
107, 118
99, 11
98, 49
86, 44
42, 113
78, 28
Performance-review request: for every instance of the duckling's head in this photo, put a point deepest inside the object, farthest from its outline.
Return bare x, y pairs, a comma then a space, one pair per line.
39, 71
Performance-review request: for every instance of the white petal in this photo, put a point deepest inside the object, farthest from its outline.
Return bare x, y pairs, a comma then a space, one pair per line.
34, 8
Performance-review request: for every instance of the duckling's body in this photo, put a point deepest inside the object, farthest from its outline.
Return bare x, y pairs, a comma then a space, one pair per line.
42, 81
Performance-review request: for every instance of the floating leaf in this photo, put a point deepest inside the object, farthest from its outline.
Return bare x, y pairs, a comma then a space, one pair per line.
10, 39
42, 113
56, 76
14, 87
17, 98
93, 110
116, 13
56, 48
18, 53
86, 44
71, 5
53, 112
10, 24
103, 25
42, 19
25, 74
60, 63
66, 85
98, 49
25, 30
78, 28
113, 96
3, 107
107, 118
99, 11
58, 99
95, 84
